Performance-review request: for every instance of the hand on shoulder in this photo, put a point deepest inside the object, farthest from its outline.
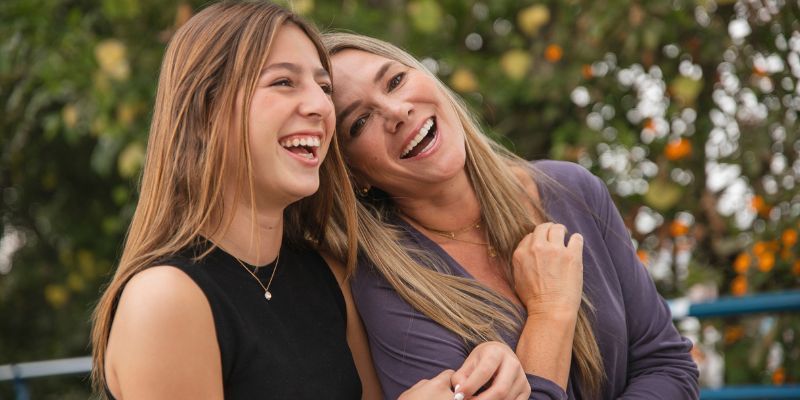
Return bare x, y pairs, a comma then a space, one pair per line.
163, 339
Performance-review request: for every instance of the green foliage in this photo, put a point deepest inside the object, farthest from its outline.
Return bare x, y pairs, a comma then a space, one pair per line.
639, 92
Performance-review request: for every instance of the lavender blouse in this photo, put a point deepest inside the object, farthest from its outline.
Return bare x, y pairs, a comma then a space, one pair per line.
643, 354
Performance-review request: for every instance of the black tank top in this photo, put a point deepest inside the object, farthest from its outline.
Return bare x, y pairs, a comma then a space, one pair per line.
290, 347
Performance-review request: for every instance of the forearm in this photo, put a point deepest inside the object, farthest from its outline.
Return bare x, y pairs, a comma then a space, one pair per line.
545, 347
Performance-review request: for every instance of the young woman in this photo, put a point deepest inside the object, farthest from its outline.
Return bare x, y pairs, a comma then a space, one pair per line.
463, 242
221, 291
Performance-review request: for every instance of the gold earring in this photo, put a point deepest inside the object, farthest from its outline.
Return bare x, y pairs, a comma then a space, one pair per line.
364, 190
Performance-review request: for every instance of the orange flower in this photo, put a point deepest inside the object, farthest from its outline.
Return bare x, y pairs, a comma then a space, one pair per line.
779, 376
586, 71
796, 268
678, 228
643, 257
766, 261
761, 206
739, 286
678, 149
553, 53
733, 334
742, 263
789, 237
760, 248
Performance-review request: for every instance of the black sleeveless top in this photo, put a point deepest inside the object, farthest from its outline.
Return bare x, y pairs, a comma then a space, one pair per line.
290, 347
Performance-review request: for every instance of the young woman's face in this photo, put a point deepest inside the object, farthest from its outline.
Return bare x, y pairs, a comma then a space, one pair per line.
291, 119
398, 130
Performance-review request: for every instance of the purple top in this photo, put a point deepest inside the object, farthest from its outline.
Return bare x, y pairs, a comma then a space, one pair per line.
643, 354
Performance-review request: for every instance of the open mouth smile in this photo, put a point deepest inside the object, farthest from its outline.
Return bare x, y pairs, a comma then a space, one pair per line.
423, 141
302, 146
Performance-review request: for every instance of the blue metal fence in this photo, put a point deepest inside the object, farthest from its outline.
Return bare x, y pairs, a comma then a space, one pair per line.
728, 306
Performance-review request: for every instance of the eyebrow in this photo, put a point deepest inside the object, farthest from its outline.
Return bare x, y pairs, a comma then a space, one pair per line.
382, 71
294, 68
347, 110
378, 77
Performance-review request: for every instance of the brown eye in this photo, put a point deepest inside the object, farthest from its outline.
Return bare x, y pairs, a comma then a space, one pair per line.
395, 81
359, 123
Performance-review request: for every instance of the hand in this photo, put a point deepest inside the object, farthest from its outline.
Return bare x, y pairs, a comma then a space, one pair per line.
548, 276
437, 388
495, 366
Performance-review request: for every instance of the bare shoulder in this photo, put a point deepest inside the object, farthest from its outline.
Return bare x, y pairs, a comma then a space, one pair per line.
163, 338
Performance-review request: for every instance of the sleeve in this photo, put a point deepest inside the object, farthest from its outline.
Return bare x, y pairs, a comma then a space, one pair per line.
659, 362
407, 346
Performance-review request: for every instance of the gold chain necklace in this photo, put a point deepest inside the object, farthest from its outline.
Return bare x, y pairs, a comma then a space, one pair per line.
452, 234
267, 293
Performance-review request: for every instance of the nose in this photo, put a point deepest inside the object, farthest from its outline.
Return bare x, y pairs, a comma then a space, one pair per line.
395, 113
315, 103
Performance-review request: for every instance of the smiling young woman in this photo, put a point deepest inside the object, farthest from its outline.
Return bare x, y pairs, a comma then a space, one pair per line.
235, 204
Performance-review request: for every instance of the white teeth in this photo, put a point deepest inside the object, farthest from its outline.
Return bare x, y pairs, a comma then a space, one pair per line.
306, 155
310, 141
420, 135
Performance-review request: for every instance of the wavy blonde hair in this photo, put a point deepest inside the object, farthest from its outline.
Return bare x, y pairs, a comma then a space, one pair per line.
211, 63
460, 304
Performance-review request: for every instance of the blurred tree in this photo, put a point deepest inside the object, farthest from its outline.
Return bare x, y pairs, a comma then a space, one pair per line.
687, 108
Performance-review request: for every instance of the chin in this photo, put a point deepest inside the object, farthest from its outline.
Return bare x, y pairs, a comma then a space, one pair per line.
304, 189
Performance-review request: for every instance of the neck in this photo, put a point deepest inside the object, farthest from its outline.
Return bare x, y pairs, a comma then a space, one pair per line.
251, 236
447, 206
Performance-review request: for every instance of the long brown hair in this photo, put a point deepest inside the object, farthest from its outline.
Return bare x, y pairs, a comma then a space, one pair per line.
213, 61
463, 306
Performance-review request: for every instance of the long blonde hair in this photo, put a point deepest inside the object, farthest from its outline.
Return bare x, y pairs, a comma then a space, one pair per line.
213, 61
460, 304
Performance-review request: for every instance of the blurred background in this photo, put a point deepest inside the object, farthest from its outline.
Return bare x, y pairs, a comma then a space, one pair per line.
688, 109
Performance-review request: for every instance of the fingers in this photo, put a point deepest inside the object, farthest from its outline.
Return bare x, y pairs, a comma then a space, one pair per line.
541, 231
460, 376
502, 386
575, 245
480, 374
557, 233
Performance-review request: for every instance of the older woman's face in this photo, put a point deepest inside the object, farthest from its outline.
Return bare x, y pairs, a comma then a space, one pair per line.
399, 131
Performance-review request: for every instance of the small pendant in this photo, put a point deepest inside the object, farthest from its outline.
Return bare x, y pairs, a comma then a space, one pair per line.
268, 295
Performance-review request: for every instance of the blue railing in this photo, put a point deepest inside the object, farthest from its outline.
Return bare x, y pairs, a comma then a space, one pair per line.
681, 308
727, 306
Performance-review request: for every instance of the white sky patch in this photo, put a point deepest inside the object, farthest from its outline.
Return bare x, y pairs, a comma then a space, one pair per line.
720, 175
11, 241
647, 220
735, 201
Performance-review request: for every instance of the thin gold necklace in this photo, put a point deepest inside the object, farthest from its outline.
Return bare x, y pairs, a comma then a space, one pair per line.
452, 234
267, 293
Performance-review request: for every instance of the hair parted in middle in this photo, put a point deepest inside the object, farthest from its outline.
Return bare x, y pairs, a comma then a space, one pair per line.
508, 212
211, 64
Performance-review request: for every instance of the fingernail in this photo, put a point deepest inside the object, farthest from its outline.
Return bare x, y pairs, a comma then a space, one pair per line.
458, 395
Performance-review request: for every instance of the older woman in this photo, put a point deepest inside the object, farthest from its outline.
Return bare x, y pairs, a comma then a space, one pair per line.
463, 242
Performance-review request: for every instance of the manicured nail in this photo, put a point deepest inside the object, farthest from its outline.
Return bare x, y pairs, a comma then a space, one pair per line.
459, 395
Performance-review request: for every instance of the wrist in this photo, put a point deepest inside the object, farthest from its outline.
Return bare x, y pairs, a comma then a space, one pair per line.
552, 315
